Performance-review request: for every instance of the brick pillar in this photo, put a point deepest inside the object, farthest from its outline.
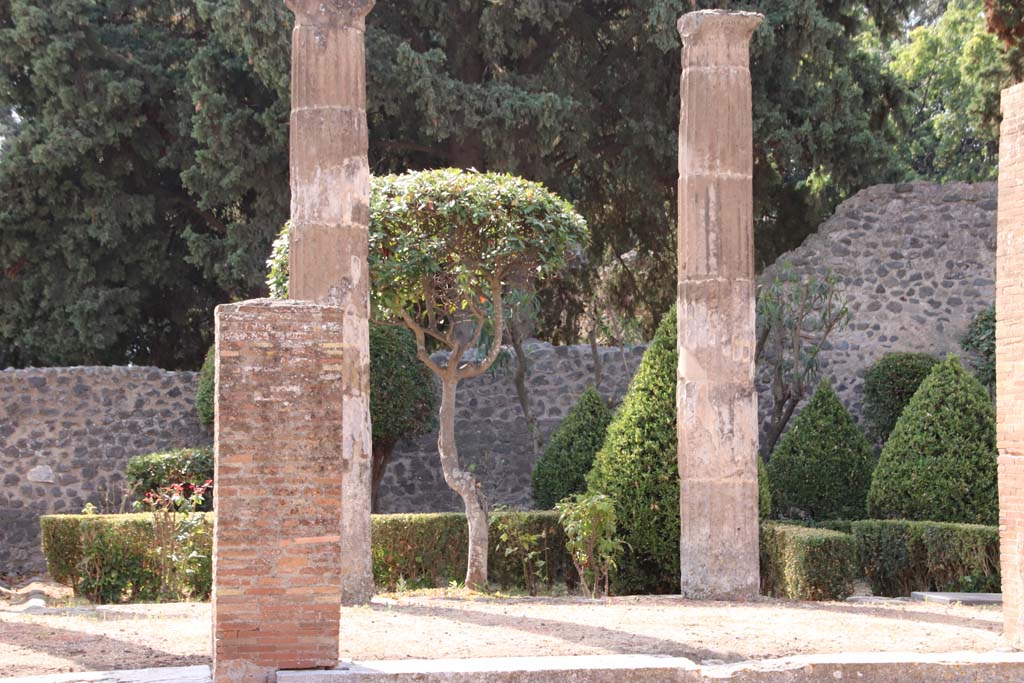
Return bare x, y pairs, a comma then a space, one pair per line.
279, 530
1010, 361
717, 402
330, 182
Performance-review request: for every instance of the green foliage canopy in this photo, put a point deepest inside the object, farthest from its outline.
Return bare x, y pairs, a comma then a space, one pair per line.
952, 72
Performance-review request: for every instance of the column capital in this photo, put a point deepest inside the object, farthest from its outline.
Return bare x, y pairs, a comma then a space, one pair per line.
332, 13
715, 37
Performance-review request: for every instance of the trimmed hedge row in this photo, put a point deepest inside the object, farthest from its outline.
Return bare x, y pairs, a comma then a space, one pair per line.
421, 551
107, 557
804, 563
900, 556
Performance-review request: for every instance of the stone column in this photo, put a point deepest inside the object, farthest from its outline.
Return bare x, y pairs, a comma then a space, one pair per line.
717, 402
278, 444
330, 183
1010, 361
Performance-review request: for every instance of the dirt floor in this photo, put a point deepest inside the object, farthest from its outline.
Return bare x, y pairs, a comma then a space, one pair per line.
39, 640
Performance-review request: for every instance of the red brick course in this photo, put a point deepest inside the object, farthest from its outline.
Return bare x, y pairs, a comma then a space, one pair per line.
279, 469
1010, 360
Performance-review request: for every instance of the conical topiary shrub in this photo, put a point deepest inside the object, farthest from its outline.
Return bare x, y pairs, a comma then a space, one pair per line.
822, 467
637, 467
940, 460
569, 455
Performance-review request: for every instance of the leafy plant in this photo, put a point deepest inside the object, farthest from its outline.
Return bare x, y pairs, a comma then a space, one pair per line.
802, 563
795, 316
764, 491
590, 530
569, 455
980, 341
517, 541
822, 467
888, 387
939, 463
176, 521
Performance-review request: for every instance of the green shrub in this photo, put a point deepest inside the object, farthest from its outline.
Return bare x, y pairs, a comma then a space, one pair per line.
205, 388
803, 563
939, 463
980, 341
764, 491
110, 558
569, 455
637, 467
822, 467
888, 386
191, 467
899, 556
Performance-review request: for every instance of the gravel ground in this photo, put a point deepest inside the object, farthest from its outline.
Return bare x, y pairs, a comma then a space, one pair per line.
50, 640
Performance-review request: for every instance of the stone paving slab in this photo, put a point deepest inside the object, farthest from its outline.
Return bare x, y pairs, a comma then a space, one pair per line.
970, 599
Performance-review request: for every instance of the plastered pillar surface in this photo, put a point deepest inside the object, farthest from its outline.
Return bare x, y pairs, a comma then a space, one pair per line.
717, 402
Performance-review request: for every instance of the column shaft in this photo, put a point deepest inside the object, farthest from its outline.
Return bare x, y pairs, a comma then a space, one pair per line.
330, 183
717, 402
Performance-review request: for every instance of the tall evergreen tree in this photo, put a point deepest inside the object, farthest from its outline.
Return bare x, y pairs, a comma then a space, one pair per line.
149, 176
94, 264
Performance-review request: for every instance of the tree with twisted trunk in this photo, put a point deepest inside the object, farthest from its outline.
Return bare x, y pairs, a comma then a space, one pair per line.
448, 250
452, 253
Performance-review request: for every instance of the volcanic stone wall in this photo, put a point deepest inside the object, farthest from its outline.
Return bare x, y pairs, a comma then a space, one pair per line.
66, 435
915, 260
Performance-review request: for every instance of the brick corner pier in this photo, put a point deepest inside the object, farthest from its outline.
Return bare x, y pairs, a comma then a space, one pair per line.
1010, 361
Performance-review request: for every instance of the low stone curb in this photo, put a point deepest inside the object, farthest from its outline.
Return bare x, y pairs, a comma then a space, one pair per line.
868, 667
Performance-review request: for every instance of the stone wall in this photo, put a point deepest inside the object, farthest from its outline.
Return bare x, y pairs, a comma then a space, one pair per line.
916, 261
491, 431
66, 435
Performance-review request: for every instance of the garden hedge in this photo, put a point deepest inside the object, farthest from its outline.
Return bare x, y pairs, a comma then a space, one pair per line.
108, 558
822, 467
638, 468
423, 550
804, 563
939, 463
562, 470
899, 556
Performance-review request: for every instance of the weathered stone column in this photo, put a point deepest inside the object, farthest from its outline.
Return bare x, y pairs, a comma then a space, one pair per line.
278, 532
717, 402
1010, 361
330, 183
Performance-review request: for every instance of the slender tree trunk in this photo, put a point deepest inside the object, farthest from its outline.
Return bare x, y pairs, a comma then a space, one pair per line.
381, 458
465, 484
